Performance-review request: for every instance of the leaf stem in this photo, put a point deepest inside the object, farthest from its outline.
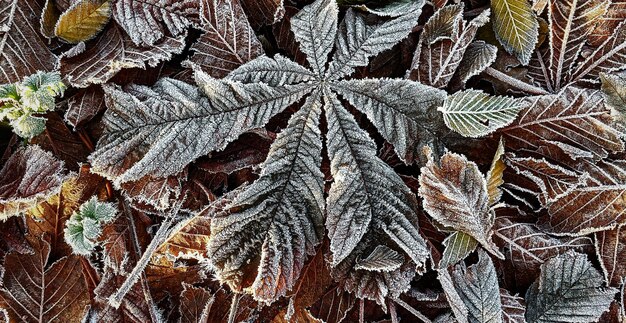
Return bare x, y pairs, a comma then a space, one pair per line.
413, 311
234, 305
528, 88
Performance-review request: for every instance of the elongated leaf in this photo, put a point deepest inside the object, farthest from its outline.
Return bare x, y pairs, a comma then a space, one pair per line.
366, 192
381, 259
609, 56
568, 289
513, 307
35, 291
442, 45
174, 123
495, 175
143, 20
358, 42
400, 110
610, 249
576, 118
83, 20
29, 176
113, 52
279, 216
478, 56
455, 195
49, 17
473, 113
315, 28
228, 40
23, 51
454, 299
478, 288
516, 27
457, 246
275, 71
526, 247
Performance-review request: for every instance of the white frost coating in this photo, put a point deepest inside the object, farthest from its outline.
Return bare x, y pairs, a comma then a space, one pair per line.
382, 258
274, 71
315, 28
473, 113
478, 288
478, 56
84, 226
280, 214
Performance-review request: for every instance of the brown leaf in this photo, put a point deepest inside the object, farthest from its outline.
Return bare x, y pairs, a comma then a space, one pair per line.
300, 315
314, 281
228, 40
49, 16
61, 141
167, 278
513, 307
23, 51
334, 305
134, 307
264, 12
455, 195
30, 176
84, 105
112, 52
189, 239
34, 291
608, 23
195, 304
611, 250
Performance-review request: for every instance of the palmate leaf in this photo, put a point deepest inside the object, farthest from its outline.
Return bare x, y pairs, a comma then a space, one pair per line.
473, 113
172, 114
29, 176
143, 20
516, 27
228, 40
315, 28
568, 289
23, 51
83, 20
455, 195
609, 56
280, 213
477, 286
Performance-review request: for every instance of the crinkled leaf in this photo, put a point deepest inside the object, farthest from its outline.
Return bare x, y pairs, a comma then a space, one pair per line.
83, 20
35, 291
516, 27
275, 71
611, 250
315, 28
280, 214
477, 286
228, 40
173, 123
398, 108
442, 45
366, 192
458, 245
143, 20
455, 301
29, 176
382, 258
23, 51
575, 119
473, 113
568, 289
357, 41
455, 195
113, 52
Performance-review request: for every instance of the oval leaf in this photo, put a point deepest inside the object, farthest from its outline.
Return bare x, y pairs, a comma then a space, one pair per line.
83, 21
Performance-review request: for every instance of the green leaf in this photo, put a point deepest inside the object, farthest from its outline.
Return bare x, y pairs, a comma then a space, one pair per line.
473, 113
516, 27
83, 20
458, 246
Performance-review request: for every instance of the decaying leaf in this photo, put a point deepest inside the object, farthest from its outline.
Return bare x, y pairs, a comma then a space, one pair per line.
83, 20
513, 307
568, 289
610, 249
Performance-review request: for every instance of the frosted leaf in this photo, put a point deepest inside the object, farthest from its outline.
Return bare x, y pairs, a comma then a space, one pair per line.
608, 57
182, 120
23, 51
381, 259
274, 71
458, 245
83, 106
228, 40
513, 307
84, 226
394, 8
452, 296
113, 52
315, 28
366, 192
442, 45
29, 176
496, 174
610, 248
574, 117
279, 215
398, 108
478, 288
143, 20
473, 113
455, 195
568, 289
516, 27
478, 56
83, 20
357, 42
614, 90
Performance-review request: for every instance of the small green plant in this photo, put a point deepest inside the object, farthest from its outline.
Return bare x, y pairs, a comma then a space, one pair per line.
85, 225
21, 103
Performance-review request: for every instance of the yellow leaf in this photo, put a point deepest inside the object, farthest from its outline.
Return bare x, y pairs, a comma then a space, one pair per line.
516, 27
83, 20
494, 176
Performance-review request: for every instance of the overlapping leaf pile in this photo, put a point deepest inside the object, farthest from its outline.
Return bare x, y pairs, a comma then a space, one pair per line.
309, 161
